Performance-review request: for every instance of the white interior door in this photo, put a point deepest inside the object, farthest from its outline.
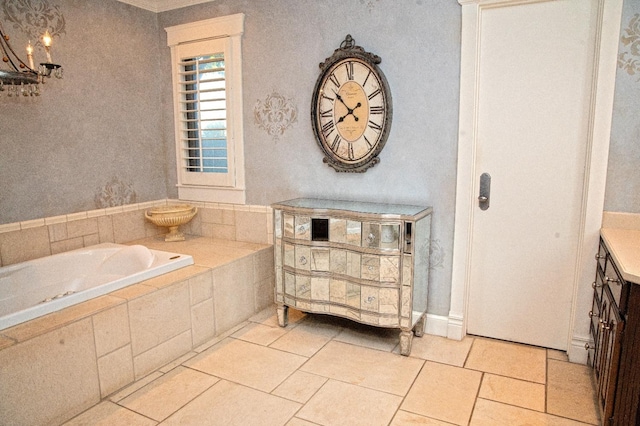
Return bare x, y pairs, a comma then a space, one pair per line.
533, 118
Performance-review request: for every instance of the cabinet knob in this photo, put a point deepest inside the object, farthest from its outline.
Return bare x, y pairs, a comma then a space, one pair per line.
303, 260
371, 238
598, 256
591, 314
587, 346
595, 285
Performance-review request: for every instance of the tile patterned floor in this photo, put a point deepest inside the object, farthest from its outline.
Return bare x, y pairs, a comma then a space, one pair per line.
327, 371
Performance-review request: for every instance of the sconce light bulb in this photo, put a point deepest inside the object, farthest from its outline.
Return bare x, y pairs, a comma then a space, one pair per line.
46, 39
29, 48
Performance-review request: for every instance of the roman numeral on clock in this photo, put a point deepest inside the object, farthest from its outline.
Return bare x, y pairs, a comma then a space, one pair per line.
328, 127
326, 114
374, 126
376, 110
334, 80
349, 66
336, 143
374, 93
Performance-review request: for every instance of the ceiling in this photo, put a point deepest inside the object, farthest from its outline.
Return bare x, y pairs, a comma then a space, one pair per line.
162, 5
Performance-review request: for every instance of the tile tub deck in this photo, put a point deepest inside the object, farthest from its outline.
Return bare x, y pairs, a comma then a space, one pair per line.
56, 366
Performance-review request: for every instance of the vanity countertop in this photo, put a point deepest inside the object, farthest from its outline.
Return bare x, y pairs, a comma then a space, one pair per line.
623, 241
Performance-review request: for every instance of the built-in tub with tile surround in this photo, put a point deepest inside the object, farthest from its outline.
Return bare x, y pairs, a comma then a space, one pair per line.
56, 366
38, 287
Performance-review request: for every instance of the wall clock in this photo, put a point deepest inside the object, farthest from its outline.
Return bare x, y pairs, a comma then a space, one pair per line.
351, 109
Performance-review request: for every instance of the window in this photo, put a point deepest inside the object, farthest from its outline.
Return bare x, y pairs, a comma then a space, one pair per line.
207, 98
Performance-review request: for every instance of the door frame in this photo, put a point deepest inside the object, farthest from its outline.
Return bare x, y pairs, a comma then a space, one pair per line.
596, 159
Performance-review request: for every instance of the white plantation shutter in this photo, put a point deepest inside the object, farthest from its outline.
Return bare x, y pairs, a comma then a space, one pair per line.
203, 114
207, 94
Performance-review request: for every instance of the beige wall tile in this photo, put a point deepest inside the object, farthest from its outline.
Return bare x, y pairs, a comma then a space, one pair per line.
111, 329
203, 325
80, 228
105, 229
67, 245
129, 226
27, 244
251, 226
158, 356
115, 370
58, 231
40, 385
201, 287
159, 316
233, 295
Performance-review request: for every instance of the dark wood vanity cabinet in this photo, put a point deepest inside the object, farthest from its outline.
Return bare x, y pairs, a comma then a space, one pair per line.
614, 353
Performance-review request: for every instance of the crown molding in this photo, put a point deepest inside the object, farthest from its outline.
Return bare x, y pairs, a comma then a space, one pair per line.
158, 6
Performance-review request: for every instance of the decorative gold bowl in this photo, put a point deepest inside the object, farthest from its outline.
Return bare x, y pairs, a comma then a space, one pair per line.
171, 217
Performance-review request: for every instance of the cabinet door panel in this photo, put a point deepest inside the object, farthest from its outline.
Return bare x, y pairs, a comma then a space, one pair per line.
303, 287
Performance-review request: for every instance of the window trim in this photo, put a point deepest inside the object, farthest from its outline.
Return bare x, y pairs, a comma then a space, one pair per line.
231, 29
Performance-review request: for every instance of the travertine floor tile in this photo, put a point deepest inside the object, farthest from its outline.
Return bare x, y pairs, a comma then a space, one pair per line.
162, 397
259, 334
366, 367
508, 359
269, 317
558, 355
491, 413
444, 392
108, 414
231, 404
338, 403
307, 338
570, 392
299, 422
247, 363
404, 418
441, 349
513, 391
300, 386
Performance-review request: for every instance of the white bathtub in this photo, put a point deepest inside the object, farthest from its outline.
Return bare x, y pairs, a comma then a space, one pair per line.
31, 289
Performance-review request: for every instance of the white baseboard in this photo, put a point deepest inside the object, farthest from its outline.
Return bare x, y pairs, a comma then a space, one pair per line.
436, 325
576, 351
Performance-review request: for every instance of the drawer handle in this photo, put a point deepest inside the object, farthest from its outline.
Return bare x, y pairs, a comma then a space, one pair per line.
595, 285
612, 280
370, 299
303, 260
371, 238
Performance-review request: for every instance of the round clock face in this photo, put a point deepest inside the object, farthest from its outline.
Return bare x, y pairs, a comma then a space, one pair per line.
351, 114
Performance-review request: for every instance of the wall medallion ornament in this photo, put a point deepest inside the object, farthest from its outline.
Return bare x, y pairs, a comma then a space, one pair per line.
629, 56
115, 193
33, 17
275, 114
351, 108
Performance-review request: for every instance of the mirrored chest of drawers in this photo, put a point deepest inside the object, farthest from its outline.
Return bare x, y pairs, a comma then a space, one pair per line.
367, 262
